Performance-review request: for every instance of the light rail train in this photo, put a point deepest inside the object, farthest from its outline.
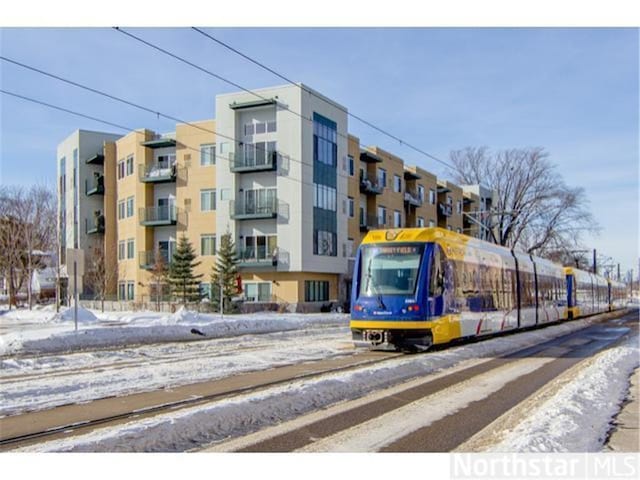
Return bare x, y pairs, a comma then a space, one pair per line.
417, 287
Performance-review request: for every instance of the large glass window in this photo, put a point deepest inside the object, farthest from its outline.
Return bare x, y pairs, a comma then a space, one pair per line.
208, 200
316, 291
130, 248
389, 269
257, 291
325, 154
130, 165
130, 207
208, 244
208, 154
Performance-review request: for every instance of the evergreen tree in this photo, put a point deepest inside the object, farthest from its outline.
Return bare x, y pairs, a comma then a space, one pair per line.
184, 283
225, 270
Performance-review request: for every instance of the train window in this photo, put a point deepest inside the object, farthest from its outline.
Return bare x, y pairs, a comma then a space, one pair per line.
436, 275
390, 269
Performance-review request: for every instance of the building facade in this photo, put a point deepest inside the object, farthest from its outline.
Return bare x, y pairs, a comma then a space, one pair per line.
277, 169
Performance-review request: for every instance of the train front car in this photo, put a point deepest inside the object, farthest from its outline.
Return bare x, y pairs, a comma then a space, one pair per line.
397, 290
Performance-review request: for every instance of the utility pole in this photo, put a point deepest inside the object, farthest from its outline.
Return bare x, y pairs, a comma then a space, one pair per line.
221, 297
595, 267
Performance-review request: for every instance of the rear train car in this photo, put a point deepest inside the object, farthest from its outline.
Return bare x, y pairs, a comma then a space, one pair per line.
587, 293
421, 286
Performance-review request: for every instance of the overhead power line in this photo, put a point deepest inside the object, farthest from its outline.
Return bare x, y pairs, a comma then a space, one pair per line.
352, 115
257, 95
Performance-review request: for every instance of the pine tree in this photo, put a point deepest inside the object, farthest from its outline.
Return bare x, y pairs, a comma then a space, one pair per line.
226, 268
184, 283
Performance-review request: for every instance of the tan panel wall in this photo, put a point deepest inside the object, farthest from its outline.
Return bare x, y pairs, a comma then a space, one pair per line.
289, 286
427, 211
353, 188
129, 269
471, 204
193, 177
453, 222
110, 214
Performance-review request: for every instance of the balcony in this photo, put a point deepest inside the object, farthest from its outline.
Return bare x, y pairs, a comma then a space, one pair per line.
158, 216
94, 226
257, 257
157, 172
96, 187
369, 185
147, 259
159, 141
243, 163
252, 209
445, 209
370, 222
412, 198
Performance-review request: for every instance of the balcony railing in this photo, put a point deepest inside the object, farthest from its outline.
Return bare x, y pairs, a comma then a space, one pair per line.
158, 172
147, 259
96, 187
253, 209
241, 162
412, 198
370, 222
370, 185
158, 216
252, 257
94, 226
445, 209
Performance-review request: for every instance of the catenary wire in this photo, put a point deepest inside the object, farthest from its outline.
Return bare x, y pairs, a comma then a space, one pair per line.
352, 115
257, 95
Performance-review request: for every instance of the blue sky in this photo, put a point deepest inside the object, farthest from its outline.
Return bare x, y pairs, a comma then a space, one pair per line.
572, 91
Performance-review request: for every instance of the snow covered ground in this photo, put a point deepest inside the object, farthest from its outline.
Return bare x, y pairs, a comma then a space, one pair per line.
118, 353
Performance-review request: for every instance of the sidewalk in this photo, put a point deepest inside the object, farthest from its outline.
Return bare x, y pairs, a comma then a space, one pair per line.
626, 436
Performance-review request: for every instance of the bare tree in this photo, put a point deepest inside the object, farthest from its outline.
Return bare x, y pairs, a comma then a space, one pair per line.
159, 275
534, 209
28, 231
101, 273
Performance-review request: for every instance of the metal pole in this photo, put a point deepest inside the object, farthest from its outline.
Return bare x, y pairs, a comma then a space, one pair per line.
75, 294
595, 268
618, 272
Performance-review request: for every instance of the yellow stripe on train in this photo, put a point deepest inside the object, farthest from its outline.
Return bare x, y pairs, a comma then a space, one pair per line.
443, 330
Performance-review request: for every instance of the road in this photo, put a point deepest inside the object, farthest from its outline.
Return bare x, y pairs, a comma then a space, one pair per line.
435, 412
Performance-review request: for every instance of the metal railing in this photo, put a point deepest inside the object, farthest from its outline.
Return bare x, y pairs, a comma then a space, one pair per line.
241, 162
370, 184
257, 256
412, 198
445, 209
165, 215
158, 172
261, 207
147, 258
370, 222
96, 187
94, 226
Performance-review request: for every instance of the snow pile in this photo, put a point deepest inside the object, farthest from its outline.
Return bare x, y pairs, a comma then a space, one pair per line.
66, 315
185, 316
578, 417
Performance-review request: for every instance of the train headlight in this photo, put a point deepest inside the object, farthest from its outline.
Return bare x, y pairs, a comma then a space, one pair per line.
358, 308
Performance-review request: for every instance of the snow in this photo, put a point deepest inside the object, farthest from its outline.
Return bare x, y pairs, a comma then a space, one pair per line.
578, 417
183, 429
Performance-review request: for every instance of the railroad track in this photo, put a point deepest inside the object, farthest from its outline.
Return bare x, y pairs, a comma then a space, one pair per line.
17, 430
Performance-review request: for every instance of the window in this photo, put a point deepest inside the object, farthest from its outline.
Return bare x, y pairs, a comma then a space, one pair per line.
382, 177
449, 200
208, 200
122, 291
420, 222
130, 248
325, 243
130, 290
271, 126
459, 206
351, 166
351, 207
382, 216
397, 219
130, 165
121, 250
421, 193
129, 207
207, 154
324, 197
458, 230
257, 291
350, 247
260, 247
207, 244
316, 291
121, 209
432, 196
261, 127
249, 129
121, 169
432, 224
397, 184
225, 194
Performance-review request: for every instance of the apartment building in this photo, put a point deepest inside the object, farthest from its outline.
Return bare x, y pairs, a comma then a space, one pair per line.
277, 169
86, 194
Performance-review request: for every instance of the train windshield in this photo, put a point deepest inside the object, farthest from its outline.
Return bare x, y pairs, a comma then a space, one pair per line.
389, 269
